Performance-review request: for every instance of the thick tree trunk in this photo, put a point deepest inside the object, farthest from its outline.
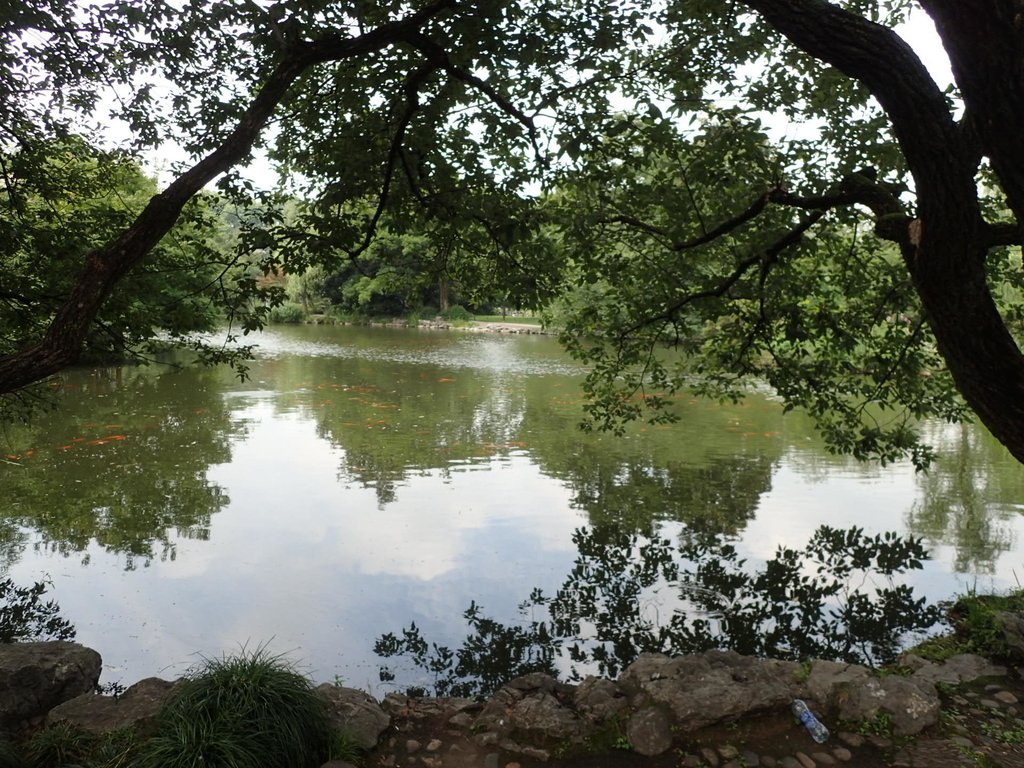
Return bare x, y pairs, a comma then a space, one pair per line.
442, 290
946, 247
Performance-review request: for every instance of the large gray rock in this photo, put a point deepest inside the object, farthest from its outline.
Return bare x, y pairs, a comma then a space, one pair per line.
136, 708
600, 699
355, 713
649, 731
912, 704
853, 692
712, 687
35, 677
534, 708
961, 668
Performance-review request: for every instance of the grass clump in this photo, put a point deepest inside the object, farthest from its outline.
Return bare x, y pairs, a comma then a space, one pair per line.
977, 628
60, 744
9, 757
245, 711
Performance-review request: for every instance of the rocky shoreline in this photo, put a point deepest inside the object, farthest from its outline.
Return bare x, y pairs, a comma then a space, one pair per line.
715, 709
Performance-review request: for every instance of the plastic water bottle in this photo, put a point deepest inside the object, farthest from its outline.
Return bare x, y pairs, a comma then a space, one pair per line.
813, 725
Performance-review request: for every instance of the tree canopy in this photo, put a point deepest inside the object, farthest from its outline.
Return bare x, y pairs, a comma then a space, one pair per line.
778, 190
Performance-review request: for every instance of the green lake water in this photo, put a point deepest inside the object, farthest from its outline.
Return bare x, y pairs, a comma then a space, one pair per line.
363, 479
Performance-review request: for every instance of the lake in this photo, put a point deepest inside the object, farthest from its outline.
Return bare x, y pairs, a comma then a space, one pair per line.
363, 479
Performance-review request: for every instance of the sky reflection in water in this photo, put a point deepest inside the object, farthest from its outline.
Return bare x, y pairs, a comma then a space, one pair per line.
366, 478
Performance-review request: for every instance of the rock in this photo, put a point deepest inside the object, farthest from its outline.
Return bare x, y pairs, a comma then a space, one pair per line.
600, 699
842, 754
805, 761
913, 705
852, 739
711, 687
136, 708
355, 713
434, 745
1012, 627
36, 677
535, 709
961, 668
412, 746
1005, 696
823, 758
710, 756
750, 759
649, 731
830, 680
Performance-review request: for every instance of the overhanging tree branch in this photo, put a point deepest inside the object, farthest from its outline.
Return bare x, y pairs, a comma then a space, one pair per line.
104, 267
764, 259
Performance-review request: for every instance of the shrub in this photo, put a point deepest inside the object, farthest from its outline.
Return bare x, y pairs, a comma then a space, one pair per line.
288, 312
245, 711
457, 312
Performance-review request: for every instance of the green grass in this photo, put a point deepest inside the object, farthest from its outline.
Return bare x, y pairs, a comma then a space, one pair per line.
245, 711
9, 757
252, 710
509, 319
976, 628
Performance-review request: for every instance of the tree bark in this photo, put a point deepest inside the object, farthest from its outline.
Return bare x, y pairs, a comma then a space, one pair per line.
945, 248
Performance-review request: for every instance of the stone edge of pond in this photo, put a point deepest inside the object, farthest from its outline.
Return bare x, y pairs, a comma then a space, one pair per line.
660, 706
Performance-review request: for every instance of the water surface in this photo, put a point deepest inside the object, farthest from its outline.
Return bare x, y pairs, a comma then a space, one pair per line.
363, 479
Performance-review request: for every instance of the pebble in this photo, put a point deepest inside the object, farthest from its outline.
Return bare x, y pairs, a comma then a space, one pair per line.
710, 756
768, 761
880, 741
728, 752
990, 703
851, 739
412, 746
993, 687
750, 759
732, 764
690, 761
461, 720
511, 765
1006, 697
434, 745
842, 754
805, 761
962, 741
823, 758
789, 762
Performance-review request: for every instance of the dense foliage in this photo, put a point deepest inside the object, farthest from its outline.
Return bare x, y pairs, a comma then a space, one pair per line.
780, 192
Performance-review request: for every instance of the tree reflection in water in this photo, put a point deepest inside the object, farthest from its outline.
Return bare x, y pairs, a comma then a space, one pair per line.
838, 598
